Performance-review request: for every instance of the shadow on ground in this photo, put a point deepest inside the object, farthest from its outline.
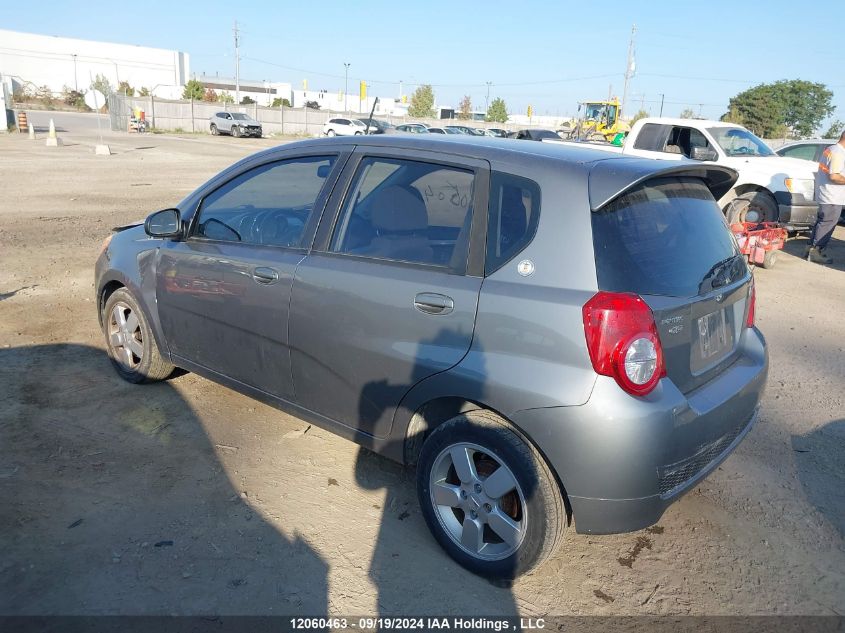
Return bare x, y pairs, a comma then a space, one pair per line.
820, 471
835, 248
113, 501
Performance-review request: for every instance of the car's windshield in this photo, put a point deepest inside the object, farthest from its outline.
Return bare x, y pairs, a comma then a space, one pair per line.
240, 117
736, 141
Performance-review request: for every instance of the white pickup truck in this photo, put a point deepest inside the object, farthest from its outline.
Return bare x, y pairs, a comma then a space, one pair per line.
769, 188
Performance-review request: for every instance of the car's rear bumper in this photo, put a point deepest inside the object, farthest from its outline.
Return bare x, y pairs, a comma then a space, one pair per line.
623, 460
794, 210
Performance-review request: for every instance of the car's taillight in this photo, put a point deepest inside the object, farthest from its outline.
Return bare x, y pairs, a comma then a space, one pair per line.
752, 304
623, 342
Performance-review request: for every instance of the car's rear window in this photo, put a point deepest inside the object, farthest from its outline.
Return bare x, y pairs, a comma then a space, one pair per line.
665, 237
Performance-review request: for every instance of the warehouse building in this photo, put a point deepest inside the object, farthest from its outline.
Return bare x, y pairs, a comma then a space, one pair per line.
33, 61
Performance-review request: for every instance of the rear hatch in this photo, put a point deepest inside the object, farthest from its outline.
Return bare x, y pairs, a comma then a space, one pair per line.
667, 241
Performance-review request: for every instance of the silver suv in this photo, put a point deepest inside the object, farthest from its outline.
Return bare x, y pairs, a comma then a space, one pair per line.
234, 123
550, 334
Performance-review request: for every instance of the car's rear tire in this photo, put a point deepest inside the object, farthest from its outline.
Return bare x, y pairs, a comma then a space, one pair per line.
236, 131
129, 340
489, 497
753, 206
214, 131
330, 133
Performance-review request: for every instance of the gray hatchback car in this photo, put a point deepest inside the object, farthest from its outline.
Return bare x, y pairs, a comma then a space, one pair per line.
552, 335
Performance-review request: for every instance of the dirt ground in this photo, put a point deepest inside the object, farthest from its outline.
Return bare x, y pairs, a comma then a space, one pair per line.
187, 498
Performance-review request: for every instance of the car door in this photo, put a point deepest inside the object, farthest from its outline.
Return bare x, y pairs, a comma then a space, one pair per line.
223, 292
388, 296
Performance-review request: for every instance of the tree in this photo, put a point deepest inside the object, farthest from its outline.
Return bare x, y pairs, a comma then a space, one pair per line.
799, 105
687, 113
312, 105
465, 108
640, 115
101, 85
124, 88
144, 92
422, 102
209, 95
835, 130
74, 97
225, 97
193, 90
247, 100
279, 102
497, 112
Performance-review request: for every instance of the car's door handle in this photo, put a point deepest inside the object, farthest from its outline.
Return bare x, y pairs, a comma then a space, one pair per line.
264, 275
433, 303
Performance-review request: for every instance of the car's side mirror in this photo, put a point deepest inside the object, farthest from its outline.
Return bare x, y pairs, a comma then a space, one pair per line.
323, 171
164, 223
703, 153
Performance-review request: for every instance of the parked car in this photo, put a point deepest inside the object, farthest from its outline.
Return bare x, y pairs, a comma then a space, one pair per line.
808, 150
344, 127
486, 132
377, 126
412, 128
537, 135
442, 130
464, 129
497, 131
439, 322
234, 123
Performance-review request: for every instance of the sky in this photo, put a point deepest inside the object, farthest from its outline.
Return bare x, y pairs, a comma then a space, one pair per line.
546, 54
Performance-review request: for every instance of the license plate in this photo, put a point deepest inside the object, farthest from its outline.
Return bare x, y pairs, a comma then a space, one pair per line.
714, 334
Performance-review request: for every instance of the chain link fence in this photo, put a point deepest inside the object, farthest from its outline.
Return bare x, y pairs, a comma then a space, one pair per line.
193, 116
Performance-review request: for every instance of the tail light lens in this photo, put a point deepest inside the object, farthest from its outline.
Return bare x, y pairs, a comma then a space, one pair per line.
752, 304
622, 341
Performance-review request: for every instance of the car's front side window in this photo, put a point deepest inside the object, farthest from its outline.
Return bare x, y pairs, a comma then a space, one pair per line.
409, 211
269, 205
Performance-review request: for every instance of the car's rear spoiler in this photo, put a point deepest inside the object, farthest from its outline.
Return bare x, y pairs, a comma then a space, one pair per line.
611, 178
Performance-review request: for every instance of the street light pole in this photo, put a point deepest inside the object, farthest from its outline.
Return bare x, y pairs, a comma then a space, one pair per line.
661, 105
75, 79
346, 89
489, 83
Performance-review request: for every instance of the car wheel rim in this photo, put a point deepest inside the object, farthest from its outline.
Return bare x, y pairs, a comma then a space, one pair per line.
125, 339
478, 501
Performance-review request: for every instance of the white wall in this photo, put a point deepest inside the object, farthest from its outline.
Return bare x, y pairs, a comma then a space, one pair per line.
47, 60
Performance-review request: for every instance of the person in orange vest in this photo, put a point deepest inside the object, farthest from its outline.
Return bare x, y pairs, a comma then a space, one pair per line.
830, 187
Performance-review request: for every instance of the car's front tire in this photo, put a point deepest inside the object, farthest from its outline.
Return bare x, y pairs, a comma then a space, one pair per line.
129, 340
236, 131
753, 206
489, 497
214, 131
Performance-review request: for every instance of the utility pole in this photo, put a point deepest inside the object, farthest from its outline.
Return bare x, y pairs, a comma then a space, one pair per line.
661, 104
75, 80
346, 88
489, 83
630, 68
400, 91
237, 64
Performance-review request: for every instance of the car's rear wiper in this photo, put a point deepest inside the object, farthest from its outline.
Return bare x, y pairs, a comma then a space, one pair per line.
714, 275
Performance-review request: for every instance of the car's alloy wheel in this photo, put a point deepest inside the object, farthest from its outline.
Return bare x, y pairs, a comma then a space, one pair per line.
214, 131
130, 342
236, 131
478, 501
488, 496
330, 133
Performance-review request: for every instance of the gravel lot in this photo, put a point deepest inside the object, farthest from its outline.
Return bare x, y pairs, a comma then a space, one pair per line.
187, 498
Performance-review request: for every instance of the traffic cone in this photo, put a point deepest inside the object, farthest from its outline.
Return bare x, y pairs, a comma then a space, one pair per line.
31, 132
52, 139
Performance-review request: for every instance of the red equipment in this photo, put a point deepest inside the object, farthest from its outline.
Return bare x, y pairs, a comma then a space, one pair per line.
760, 241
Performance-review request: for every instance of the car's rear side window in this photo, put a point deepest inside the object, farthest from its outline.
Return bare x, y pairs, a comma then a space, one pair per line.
514, 210
665, 237
652, 137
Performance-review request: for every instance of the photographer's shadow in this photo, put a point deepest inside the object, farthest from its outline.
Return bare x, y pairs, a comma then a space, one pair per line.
113, 500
